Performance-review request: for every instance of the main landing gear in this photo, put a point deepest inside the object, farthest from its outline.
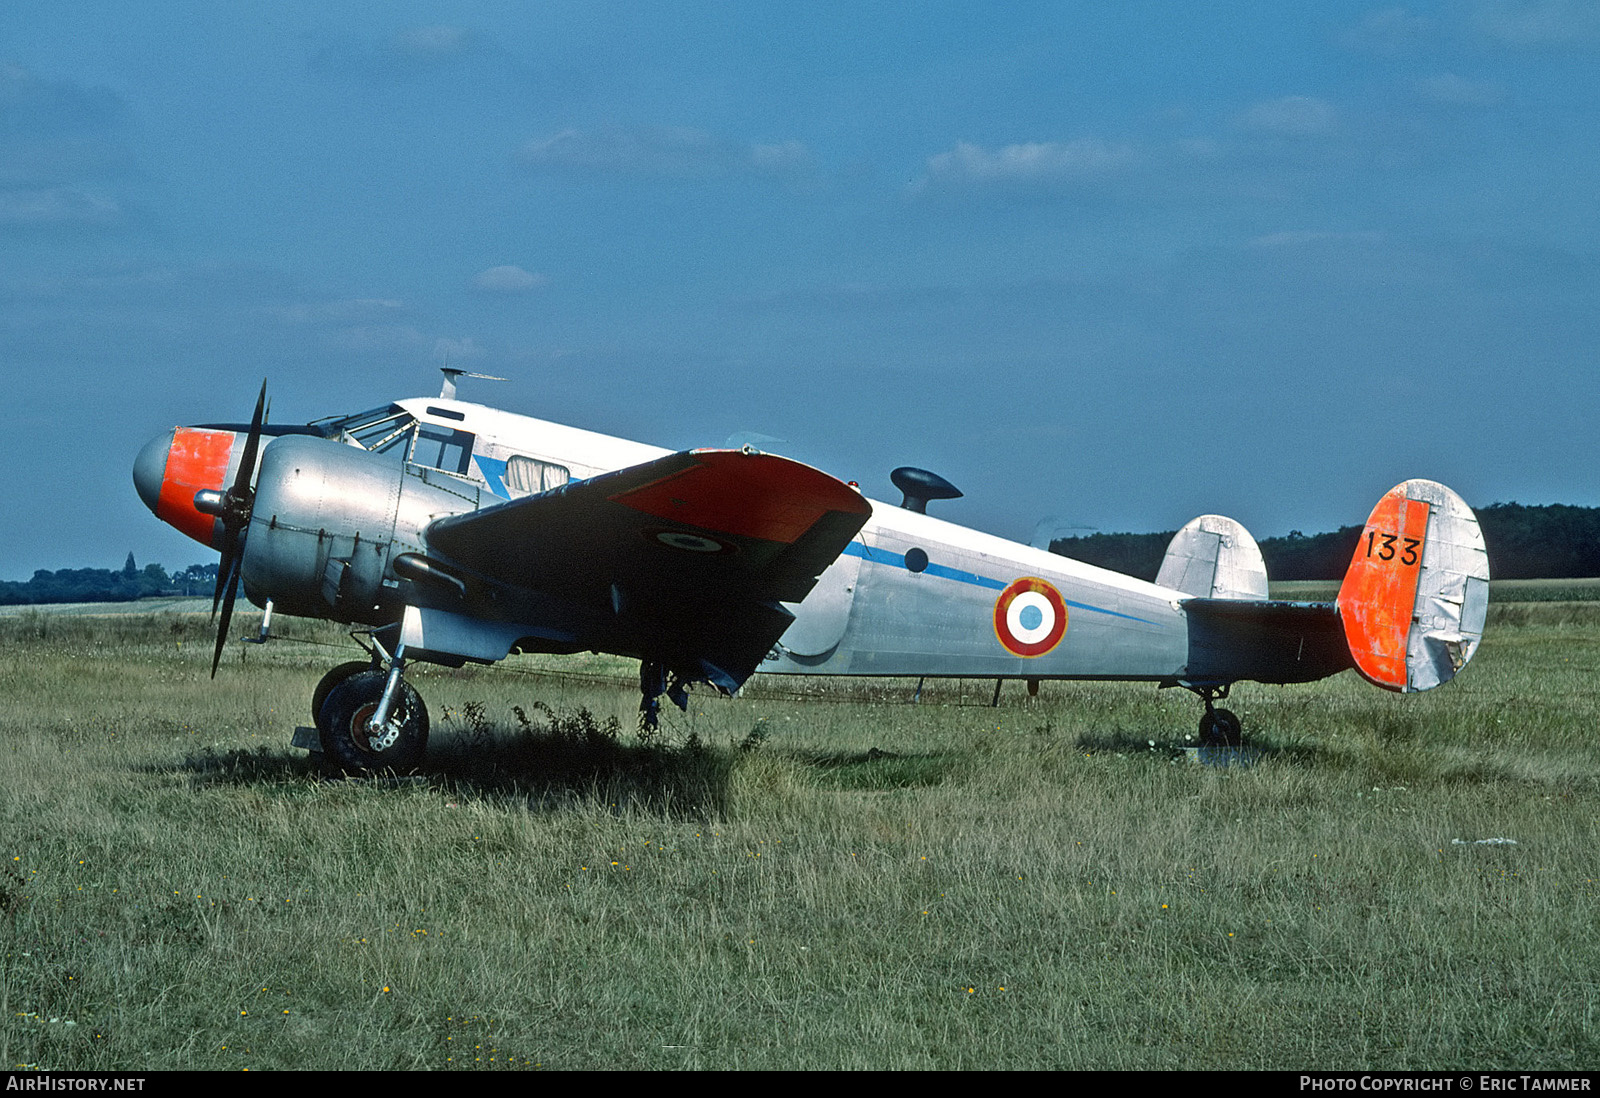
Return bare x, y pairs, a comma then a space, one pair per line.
369, 718
654, 681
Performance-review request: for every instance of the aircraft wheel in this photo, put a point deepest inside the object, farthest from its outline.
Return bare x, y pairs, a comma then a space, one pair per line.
329, 681
348, 745
1220, 728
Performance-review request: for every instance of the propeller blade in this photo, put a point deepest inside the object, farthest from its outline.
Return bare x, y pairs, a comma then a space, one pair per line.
230, 550
227, 614
252, 442
235, 521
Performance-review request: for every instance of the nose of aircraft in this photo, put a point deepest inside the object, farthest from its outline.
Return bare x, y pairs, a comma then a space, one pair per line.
172, 467
150, 469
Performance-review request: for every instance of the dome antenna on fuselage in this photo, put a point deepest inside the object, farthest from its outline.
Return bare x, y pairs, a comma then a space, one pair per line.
448, 391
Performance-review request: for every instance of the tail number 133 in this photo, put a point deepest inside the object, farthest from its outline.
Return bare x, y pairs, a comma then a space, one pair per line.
1388, 546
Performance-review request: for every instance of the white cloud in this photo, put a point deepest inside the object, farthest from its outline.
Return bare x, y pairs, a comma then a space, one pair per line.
1292, 116
386, 338
1389, 31
55, 137
784, 157
340, 311
432, 43
1451, 90
30, 103
1038, 163
1300, 238
457, 350
672, 151
1538, 22
57, 206
405, 340
509, 279
407, 55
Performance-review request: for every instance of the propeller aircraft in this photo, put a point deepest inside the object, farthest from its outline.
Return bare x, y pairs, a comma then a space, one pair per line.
455, 532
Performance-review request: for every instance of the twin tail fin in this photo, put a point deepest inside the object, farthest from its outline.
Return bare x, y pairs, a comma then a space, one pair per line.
1415, 597
1408, 617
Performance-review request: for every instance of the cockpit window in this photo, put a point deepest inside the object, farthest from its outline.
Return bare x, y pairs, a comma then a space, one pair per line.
383, 430
442, 448
394, 431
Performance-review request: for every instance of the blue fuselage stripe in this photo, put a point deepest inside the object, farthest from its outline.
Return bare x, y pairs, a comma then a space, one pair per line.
494, 471
898, 560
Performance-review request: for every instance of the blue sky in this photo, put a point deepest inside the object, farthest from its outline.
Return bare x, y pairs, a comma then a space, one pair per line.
1103, 265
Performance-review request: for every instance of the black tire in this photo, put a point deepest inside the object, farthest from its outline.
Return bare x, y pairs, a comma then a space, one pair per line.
346, 743
332, 679
1220, 728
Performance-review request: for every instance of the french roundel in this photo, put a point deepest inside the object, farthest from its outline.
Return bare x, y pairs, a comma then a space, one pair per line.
1029, 617
685, 542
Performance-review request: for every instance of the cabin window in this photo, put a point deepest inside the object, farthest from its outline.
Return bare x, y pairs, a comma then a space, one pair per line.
442, 448
526, 476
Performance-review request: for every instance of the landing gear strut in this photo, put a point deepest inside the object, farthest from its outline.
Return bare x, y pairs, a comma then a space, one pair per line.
369, 718
1218, 727
655, 680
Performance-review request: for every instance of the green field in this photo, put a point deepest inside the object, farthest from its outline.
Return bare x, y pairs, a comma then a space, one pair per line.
814, 875
1501, 591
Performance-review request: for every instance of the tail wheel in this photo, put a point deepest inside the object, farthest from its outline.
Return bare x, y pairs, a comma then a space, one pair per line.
1220, 728
350, 745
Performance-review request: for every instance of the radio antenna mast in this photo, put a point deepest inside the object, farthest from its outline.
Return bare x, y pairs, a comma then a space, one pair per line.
448, 392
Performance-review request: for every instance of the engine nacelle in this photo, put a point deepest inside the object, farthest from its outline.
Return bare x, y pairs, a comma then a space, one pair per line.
329, 520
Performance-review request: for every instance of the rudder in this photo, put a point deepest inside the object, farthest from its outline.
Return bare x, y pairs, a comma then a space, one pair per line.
1414, 599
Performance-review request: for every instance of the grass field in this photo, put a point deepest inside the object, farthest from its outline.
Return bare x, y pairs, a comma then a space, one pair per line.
1501, 591
814, 875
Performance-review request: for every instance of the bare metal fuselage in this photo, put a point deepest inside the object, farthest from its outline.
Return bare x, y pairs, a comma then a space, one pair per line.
911, 595
915, 595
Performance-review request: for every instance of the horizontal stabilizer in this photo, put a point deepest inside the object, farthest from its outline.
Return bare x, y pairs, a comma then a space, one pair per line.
1276, 642
1415, 597
1214, 557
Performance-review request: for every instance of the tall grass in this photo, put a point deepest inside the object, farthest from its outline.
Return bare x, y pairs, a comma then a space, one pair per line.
820, 874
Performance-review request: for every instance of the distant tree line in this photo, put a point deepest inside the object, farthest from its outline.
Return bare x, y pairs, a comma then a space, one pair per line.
1554, 541
1550, 541
108, 585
